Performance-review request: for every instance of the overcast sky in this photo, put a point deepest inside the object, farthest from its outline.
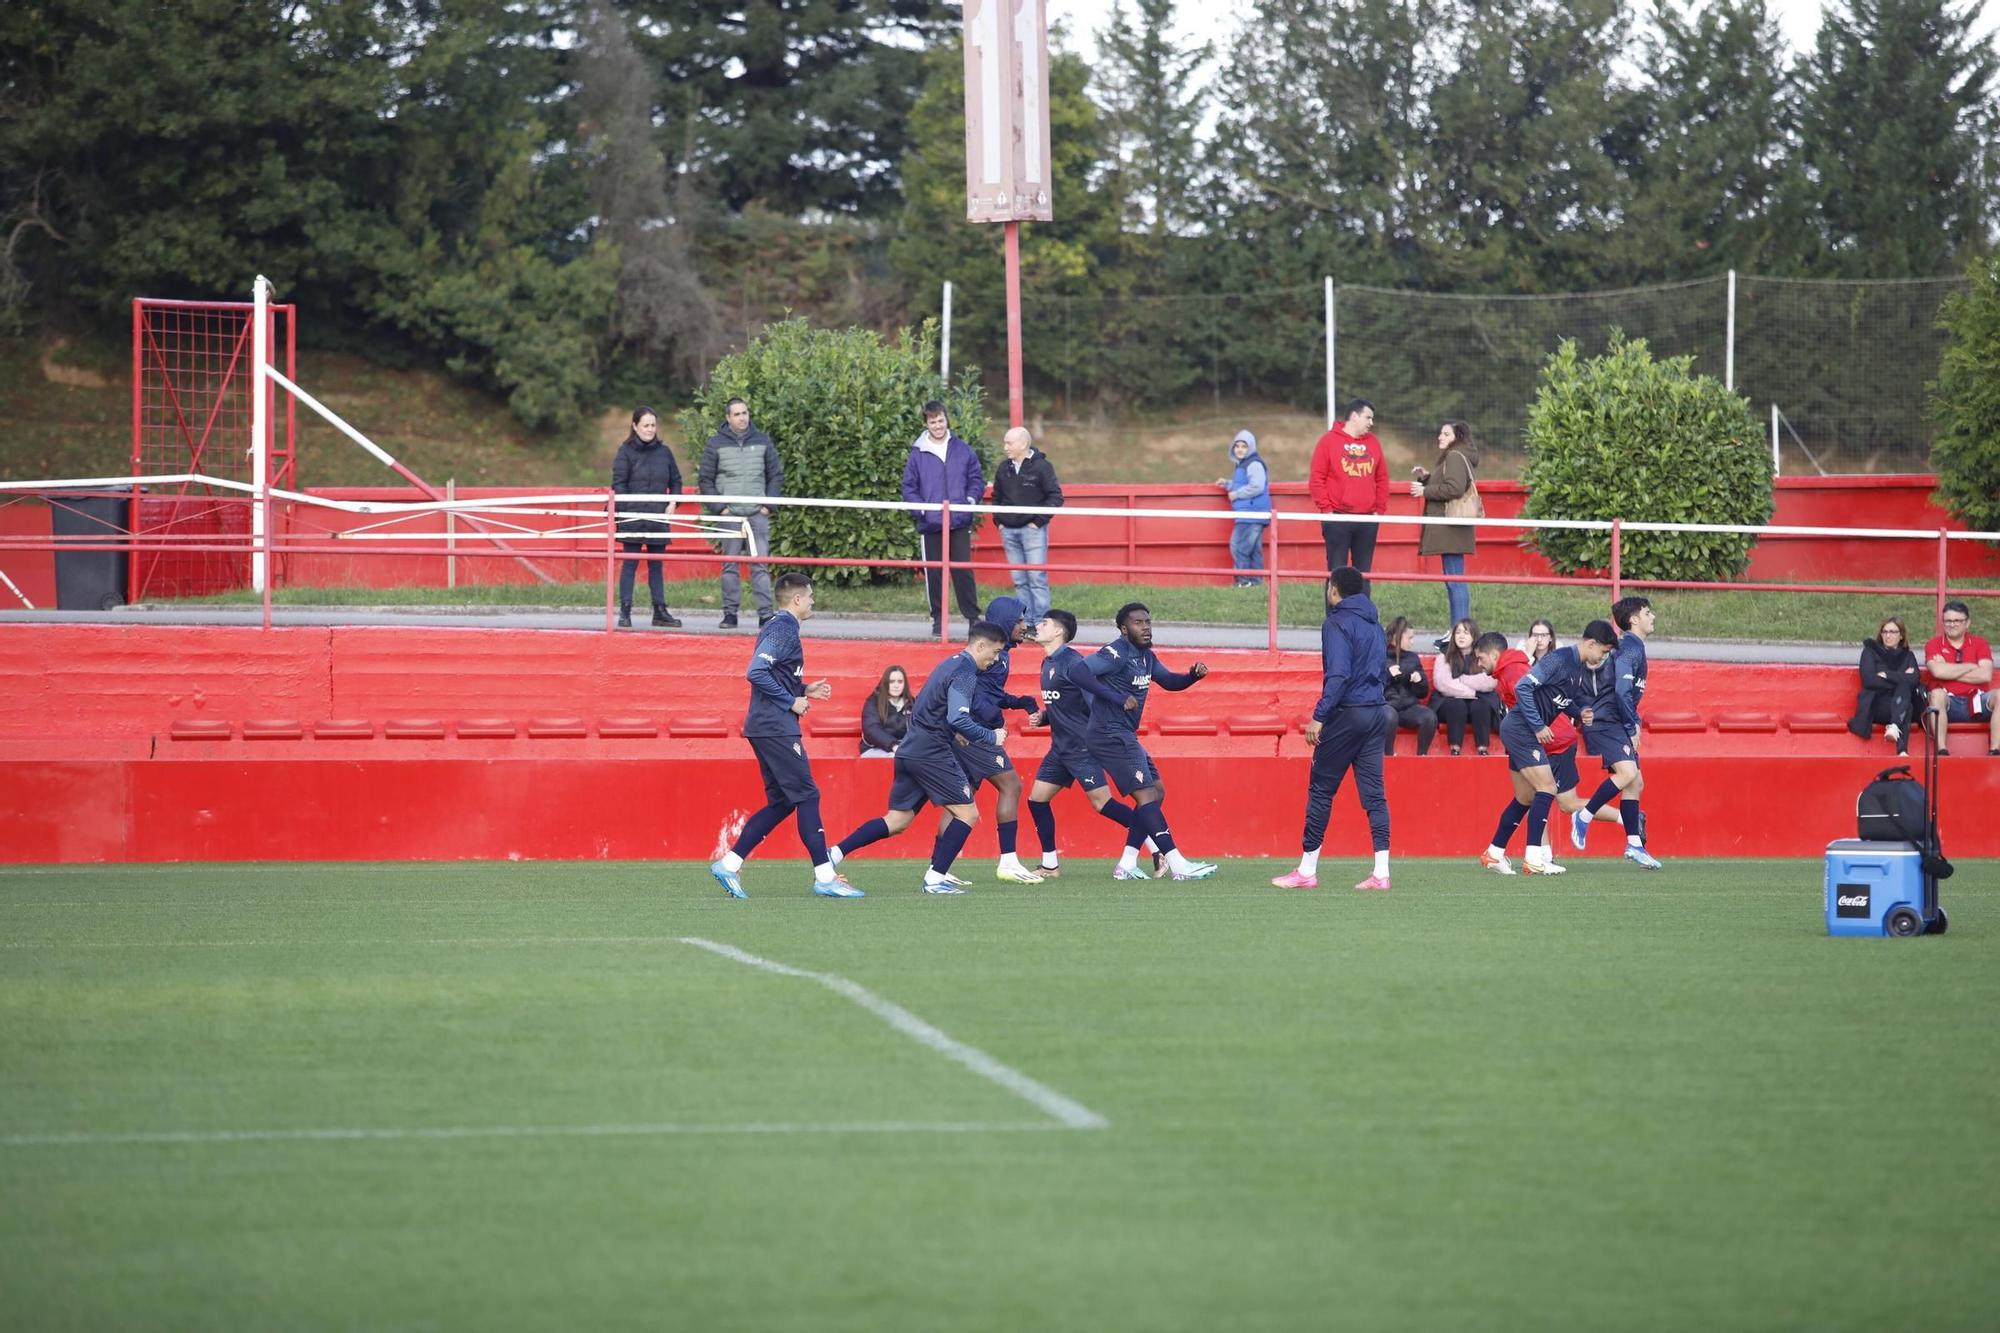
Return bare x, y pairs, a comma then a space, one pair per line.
1798, 19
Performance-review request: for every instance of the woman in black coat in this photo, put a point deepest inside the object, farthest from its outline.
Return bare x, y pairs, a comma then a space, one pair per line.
885, 715
1405, 689
1892, 689
644, 466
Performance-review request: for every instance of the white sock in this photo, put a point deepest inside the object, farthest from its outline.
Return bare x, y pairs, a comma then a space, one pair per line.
1176, 862
834, 856
1309, 862
1382, 864
1634, 840
1128, 858
932, 877
1051, 860
823, 873
1150, 847
731, 862
1011, 861
1536, 856
1497, 853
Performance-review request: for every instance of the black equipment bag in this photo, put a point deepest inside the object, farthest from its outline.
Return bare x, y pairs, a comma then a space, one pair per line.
1893, 808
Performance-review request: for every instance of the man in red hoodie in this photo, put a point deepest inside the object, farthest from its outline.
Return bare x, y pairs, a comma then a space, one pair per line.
1349, 477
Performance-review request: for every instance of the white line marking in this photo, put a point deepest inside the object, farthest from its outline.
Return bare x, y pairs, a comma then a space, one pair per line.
1072, 1114
324, 1135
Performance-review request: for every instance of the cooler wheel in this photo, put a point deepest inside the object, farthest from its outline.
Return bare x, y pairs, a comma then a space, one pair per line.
1903, 922
1939, 923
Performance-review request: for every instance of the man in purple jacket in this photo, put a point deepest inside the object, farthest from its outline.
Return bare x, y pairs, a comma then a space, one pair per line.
943, 467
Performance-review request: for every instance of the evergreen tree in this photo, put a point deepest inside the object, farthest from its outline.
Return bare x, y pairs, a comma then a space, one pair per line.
803, 105
1152, 111
1710, 152
1896, 124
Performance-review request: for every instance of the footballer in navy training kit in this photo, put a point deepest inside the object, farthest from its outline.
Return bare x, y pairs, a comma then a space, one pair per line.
1068, 687
927, 765
1348, 726
1128, 669
779, 697
984, 761
1537, 733
1614, 736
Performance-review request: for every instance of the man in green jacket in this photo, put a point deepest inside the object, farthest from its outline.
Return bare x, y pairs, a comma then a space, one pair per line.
741, 460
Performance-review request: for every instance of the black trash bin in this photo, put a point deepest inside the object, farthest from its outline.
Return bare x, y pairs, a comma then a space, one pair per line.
90, 580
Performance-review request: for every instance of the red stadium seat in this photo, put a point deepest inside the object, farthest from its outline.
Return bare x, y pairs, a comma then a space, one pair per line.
1745, 721
486, 729
832, 726
1257, 724
344, 729
272, 729
698, 726
1666, 721
628, 728
1188, 726
1817, 723
200, 729
413, 729
557, 729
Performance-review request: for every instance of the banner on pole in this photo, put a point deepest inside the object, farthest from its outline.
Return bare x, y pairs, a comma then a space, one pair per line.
1007, 170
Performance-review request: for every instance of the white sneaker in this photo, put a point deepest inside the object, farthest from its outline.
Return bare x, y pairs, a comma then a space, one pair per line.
1128, 872
943, 886
1016, 874
1497, 864
1196, 870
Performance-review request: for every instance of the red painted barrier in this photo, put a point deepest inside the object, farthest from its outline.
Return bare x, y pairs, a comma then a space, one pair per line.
145, 743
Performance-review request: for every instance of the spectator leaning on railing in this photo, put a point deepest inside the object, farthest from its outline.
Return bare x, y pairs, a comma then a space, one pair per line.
1249, 490
1025, 477
742, 460
941, 468
1960, 666
1892, 692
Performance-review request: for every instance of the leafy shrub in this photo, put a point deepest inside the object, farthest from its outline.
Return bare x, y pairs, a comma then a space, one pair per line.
1624, 436
1965, 401
842, 407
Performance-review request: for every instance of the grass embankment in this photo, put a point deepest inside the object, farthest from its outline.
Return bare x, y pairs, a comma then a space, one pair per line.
492, 1096
1807, 617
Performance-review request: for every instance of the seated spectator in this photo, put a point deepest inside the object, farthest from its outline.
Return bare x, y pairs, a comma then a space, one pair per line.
1541, 641
1405, 689
1960, 666
1892, 692
1462, 692
885, 715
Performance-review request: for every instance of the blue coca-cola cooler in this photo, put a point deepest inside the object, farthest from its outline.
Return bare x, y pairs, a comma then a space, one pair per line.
1880, 888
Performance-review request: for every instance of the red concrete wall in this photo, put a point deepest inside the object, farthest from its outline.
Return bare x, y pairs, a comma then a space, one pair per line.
33, 571
1876, 501
91, 767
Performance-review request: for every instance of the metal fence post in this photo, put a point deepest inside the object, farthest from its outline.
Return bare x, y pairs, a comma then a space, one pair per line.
944, 574
1729, 337
1271, 582
1943, 575
1617, 559
610, 557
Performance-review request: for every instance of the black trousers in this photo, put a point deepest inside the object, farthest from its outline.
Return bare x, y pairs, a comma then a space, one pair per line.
656, 573
1349, 544
1894, 707
963, 588
1482, 711
1411, 717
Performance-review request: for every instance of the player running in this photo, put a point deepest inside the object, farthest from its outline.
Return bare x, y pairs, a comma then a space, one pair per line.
779, 696
927, 766
1614, 738
1539, 736
1129, 669
1068, 686
1348, 726
986, 762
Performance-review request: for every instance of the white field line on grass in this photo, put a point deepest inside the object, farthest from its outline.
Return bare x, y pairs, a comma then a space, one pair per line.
1072, 1114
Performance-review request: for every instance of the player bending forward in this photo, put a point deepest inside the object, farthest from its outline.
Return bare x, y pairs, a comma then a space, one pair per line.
1539, 736
1348, 726
927, 765
1068, 686
1129, 670
779, 697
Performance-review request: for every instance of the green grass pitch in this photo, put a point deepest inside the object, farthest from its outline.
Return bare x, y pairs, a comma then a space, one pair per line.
489, 1096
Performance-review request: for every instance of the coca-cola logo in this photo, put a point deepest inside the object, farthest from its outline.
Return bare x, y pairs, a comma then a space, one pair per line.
1851, 900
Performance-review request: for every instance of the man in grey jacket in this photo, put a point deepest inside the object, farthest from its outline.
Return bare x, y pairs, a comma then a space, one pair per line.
741, 460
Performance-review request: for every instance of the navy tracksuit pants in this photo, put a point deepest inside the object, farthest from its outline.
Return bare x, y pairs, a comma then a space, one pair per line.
1352, 740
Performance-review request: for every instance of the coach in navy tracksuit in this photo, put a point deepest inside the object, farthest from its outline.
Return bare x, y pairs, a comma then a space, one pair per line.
1348, 725
779, 696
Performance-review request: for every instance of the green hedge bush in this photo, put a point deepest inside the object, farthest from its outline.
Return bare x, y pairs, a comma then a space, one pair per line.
842, 406
1625, 436
1965, 402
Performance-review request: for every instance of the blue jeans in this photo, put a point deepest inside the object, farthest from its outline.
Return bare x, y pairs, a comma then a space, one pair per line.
1246, 545
1029, 546
1457, 595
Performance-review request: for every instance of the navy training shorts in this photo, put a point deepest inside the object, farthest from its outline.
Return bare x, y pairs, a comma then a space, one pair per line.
1523, 749
1611, 743
788, 774
926, 774
1063, 765
982, 760
1124, 760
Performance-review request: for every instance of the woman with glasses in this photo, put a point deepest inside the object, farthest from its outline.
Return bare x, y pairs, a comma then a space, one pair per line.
1892, 692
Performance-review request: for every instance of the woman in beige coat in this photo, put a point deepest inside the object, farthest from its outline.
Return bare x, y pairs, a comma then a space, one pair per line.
1451, 480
